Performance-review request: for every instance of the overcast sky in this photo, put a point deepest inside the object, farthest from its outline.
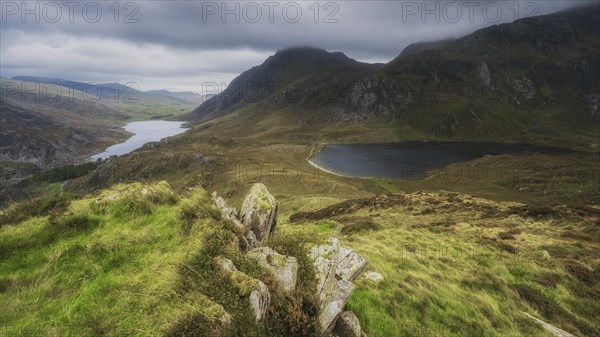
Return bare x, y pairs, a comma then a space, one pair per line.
181, 45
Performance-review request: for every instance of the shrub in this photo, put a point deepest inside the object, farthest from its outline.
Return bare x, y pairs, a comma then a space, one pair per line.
296, 313
359, 225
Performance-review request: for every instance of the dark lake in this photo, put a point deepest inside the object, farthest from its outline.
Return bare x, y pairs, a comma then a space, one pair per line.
410, 160
143, 132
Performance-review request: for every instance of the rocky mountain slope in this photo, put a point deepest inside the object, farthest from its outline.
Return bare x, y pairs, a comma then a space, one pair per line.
50, 138
48, 124
303, 75
536, 79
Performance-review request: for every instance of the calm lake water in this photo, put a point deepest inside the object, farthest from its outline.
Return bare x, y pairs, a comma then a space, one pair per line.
144, 132
410, 160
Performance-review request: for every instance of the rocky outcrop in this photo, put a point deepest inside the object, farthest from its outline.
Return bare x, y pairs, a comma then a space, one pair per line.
525, 88
256, 291
483, 77
284, 268
335, 266
256, 220
259, 213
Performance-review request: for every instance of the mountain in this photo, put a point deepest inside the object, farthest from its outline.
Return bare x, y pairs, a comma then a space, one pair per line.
50, 130
287, 75
415, 48
189, 96
48, 138
51, 121
126, 98
533, 80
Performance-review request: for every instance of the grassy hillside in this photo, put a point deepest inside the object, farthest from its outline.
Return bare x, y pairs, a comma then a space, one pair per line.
136, 260
123, 102
455, 265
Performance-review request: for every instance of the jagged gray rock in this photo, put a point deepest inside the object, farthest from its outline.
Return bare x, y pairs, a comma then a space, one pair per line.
328, 316
325, 260
284, 268
335, 267
350, 265
347, 325
259, 300
257, 292
259, 213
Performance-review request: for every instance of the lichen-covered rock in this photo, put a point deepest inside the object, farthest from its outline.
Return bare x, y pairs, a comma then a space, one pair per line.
328, 316
335, 268
347, 325
284, 268
257, 292
259, 300
325, 261
259, 213
229, 214
350, 265
343, 291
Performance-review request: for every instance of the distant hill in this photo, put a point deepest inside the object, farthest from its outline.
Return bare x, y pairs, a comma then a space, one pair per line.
61, 125
126, 98
534, 80
54, 132
189, 96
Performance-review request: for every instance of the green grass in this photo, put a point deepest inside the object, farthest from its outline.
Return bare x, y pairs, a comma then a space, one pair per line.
451, 268
132, 261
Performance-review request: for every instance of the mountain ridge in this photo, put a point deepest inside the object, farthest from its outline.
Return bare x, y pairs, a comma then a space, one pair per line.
552, 83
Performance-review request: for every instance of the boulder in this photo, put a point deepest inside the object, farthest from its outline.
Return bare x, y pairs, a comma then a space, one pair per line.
373, 276
284, 268
259, 213
343, 291
257, 292
347, 325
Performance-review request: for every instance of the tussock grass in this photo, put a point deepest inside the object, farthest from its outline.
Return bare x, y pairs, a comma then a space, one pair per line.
447, 271
137, 260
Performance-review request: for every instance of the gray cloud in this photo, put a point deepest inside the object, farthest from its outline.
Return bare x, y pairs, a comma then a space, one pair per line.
179, 45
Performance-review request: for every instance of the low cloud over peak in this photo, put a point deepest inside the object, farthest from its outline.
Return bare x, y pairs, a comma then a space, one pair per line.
178, 45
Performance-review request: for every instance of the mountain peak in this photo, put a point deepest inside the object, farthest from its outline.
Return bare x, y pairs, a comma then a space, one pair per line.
290, 66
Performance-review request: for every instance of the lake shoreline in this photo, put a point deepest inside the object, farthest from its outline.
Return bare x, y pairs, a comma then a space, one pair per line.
378, 158
143, 132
